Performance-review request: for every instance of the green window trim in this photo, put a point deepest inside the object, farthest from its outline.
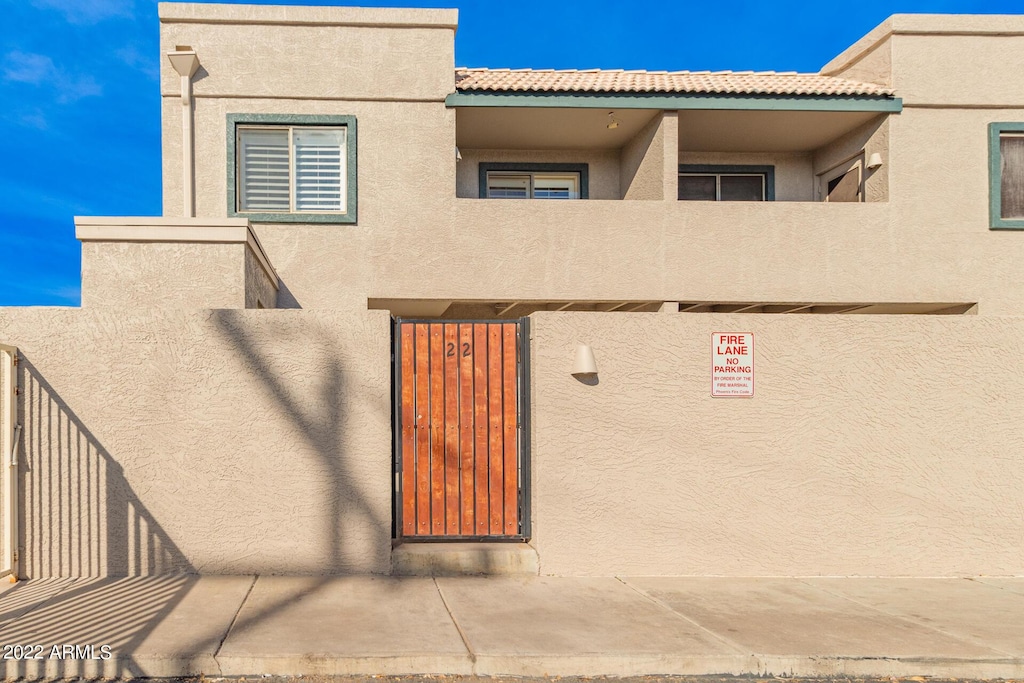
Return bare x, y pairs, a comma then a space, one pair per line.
530, 167
305, 120
995, 177
737, 169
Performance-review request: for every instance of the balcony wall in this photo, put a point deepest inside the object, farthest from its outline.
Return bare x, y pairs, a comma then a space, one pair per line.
153, 262
692, 251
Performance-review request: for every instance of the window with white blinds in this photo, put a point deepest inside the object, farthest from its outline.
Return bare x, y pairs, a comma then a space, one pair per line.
292, 169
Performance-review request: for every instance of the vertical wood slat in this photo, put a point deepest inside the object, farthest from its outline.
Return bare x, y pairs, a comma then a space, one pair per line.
421, 410
436, 429
408, 414
468, 492
459, 436
481, 425
495, 437
511, 418
451, 430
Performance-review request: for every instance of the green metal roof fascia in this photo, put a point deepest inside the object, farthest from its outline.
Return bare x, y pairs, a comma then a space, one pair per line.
676, 101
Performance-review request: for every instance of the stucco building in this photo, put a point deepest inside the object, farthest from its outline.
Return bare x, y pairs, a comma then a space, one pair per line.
372, 310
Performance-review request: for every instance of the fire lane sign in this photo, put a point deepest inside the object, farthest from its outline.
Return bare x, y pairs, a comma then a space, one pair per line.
732, 364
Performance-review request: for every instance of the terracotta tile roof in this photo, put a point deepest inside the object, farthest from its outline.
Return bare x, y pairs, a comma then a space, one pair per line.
619, 81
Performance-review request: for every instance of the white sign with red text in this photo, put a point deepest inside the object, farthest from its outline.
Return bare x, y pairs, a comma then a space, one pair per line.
732, 364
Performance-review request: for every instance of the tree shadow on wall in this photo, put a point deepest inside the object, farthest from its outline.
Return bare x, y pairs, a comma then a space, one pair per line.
80, 517
317, 414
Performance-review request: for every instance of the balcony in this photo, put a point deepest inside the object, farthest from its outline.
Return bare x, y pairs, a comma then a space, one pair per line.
646, 252
640, 154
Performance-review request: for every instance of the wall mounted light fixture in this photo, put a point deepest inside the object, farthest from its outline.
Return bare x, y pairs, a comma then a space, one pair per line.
613, 122
584, 362
874, 161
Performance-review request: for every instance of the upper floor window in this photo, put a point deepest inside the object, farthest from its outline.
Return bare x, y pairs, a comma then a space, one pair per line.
533, 181
292, 168
1006, 175
717, 183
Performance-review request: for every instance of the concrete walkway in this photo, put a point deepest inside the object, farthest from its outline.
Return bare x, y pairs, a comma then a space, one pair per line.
243, 626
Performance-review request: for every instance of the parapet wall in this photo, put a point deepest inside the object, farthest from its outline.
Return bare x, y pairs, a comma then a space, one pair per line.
157, 262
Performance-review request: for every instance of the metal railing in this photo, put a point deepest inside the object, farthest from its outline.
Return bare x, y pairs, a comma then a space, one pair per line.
10, 438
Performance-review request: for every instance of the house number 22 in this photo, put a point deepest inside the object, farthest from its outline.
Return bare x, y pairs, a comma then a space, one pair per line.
450, 353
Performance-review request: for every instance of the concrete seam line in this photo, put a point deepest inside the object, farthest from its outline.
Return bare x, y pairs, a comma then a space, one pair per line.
907, 619
981, 580
660, 603
458, 627
234, 619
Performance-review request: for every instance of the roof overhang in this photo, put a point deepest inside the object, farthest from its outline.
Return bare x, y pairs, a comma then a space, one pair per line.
677, 101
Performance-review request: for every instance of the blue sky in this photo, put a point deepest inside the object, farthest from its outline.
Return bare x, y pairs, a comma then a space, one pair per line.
79, 101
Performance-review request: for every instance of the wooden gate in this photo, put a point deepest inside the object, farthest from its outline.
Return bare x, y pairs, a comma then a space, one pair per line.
460, 437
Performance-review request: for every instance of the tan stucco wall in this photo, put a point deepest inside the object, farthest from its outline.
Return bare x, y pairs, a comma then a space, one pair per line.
859, 143
390, 68
963, 70
208, 441
602, 167
704, 251
948, 188
794, 178
259, 288
406, 170
163, 275
406, 152
647, 162
870, 64
245, 441
345, 52
417, 239
873, 445
964, 60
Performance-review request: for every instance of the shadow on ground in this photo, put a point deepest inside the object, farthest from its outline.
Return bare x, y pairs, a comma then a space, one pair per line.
81, 518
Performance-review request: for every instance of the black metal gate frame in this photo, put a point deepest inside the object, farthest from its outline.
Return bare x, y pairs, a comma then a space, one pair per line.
523, 430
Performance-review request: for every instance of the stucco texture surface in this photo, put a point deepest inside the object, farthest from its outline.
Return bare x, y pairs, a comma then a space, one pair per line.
207, 441
861, 142
929, 243
419, 236
365, 62
871, 66
643, 159
958, 70
259, 289
873, 445
163, 274
406, 170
